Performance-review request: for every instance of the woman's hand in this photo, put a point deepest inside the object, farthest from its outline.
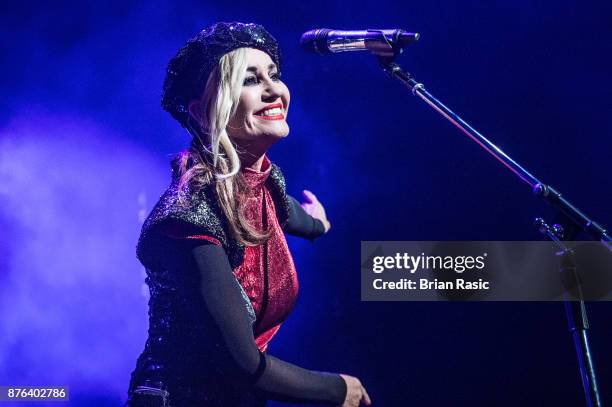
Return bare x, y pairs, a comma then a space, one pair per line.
314, 208
355, 392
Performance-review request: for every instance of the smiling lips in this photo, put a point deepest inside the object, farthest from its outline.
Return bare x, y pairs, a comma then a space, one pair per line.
271, 112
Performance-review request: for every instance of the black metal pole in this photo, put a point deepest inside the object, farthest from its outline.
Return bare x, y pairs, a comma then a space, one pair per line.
577, 321
578, 326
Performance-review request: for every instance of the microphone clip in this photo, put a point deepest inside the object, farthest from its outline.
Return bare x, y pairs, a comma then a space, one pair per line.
378, 43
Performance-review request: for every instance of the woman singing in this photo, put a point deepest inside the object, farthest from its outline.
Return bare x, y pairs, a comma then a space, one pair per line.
220, 274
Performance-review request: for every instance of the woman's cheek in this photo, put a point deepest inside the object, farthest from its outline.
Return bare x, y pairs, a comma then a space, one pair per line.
248, 122
286, 97
243, 117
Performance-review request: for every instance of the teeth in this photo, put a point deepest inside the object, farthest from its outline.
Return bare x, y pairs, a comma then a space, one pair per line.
271, 112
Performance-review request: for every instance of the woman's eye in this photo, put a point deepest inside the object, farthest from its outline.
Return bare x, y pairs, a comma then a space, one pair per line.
275, 76
250, 80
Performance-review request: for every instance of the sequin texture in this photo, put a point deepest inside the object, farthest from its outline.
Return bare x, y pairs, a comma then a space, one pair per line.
267, 273
179, 349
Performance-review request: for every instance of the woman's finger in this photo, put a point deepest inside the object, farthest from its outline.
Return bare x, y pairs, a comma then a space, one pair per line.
366, 397
312, 198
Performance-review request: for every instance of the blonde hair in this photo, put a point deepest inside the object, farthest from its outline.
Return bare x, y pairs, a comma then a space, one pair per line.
212, 156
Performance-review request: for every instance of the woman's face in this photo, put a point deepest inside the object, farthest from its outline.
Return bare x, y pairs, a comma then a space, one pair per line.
261, 114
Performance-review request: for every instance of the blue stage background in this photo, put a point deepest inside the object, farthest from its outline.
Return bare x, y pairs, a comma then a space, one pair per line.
84, 151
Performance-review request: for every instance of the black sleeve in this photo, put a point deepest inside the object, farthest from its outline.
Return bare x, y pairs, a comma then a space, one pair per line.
277, 379
302, 224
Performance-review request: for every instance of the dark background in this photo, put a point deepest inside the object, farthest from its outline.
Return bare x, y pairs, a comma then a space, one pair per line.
533, 76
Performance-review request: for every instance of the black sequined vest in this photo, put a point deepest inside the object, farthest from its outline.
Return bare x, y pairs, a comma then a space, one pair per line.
182, 348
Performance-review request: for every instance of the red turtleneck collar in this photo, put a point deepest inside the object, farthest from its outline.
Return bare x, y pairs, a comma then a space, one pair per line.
256, 179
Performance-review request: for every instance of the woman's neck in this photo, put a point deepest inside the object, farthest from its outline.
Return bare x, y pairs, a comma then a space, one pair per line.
252, 153
252, 162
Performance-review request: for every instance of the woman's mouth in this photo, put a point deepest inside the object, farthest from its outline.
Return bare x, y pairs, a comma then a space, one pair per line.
271, 112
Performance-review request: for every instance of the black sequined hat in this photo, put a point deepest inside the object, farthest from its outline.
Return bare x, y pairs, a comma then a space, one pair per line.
188, 71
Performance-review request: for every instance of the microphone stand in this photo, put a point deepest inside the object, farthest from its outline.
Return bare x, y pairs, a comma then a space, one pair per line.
575, 310
546, 192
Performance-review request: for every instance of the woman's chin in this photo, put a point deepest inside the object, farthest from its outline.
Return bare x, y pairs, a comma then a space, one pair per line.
274, 137
280, 132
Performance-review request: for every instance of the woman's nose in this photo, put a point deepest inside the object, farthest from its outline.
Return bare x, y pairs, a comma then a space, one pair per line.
273, 90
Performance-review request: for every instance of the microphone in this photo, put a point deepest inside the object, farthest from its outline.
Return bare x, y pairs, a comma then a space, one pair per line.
379, 42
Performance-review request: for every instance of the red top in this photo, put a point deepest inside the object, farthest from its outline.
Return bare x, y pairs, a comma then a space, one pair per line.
267, 274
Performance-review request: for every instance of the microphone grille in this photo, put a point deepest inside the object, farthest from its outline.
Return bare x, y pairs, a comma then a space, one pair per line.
315, 40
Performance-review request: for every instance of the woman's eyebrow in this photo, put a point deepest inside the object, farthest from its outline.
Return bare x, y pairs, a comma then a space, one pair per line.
254, 68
